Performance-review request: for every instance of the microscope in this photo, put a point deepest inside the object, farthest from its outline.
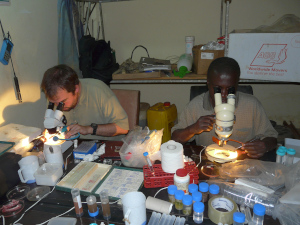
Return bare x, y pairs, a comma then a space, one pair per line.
54, 120
225, 117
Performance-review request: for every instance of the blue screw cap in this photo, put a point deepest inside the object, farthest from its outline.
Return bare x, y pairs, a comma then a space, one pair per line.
172, 189
291, 151
198, 207
259, 209
239, 217
187, 200
197, 196
193, 188
214, 189
203, 187
179, 194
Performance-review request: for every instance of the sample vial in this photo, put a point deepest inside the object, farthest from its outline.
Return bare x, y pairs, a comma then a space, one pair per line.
203, 188
280, 153
213, 190
182, 180
92, 206
146, 154
105, 204
198, 212
238, 218
178, 199
193, 188
187, 202
290, 154
77, 202
258, 214
171, 193
197, 196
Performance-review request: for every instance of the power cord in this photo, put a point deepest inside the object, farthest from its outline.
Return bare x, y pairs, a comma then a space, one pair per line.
141, 47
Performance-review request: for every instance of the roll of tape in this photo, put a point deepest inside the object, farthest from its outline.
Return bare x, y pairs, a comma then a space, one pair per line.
221, 209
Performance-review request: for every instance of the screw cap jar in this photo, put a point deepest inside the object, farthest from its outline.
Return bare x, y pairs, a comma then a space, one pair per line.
198, 212
187, 202
178, 199
197, 196
171, 193
182, 180
213, 190
238, 218
258, 214
203, 188
193, 188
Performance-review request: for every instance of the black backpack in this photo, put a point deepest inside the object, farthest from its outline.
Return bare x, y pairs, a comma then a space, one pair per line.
96, 59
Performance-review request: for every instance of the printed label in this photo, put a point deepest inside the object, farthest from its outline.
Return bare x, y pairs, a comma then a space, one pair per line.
207, 55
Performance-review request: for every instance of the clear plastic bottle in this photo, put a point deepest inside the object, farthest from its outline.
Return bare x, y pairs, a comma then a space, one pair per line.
189, 44
203, 188
193, 188
105, 204
238, 218
290, 154
198, 212
171, 193
258, 214
197, 196
280, 153
213, 190
187, 202
178, 199
245, 196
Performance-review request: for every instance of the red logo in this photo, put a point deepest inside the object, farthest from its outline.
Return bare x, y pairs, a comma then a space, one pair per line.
269, 55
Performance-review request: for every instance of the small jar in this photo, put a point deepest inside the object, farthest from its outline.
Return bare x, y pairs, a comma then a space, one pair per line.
178, 199
238, 218
280, 153
182, 180
193, 188
258, 214
171, 193
290, 154
92, 206
197, 196
213, 190
198, 212
187, 202
203, 188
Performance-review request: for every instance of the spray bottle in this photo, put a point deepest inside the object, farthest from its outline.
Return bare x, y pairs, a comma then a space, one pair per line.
184, 65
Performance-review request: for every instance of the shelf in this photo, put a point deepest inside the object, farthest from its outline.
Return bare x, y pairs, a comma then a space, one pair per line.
102, 1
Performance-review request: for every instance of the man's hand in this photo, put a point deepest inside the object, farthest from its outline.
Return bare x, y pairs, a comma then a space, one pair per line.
204, 123
255, 149
76, 128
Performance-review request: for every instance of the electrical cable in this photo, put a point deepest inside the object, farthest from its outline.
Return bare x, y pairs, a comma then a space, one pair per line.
136, 48
204, 147
3, 219
55, 138
159, 191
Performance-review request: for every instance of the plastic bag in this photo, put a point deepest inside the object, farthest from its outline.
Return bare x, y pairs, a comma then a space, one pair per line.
287, 214
136, 143
292, 176
261, 172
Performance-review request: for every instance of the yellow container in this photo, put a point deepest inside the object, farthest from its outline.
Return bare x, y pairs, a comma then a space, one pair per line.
162, 115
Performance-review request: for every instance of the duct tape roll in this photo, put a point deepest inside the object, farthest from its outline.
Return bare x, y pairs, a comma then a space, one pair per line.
171, 156
158, 205
221, 209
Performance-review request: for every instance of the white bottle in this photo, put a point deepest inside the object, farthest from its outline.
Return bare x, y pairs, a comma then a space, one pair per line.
184, 65
189, 44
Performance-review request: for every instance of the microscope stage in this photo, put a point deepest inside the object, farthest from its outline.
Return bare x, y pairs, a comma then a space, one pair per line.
227, 153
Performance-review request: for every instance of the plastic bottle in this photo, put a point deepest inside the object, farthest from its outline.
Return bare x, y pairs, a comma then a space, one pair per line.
92, 206
182, 180
171, 193
290, 154
178, 199
105, 204
258, 214
189, 44
187, 202
197, 196
249, 198
77, 202
203, 188
198, 212
184, 65
238, 218
280, 153
213, 190
193, 188
146, 154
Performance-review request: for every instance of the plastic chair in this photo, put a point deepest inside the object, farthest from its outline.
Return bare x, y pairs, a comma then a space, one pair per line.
130, 101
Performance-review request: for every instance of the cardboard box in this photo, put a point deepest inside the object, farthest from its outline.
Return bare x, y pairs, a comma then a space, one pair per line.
267, 56
203, 58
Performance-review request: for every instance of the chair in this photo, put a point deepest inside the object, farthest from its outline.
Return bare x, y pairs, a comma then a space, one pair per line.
198, 90
130, 101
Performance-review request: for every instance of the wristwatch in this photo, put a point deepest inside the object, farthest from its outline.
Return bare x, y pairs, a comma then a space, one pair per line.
94, 126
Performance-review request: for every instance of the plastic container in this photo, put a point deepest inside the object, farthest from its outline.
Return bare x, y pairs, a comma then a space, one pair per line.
290, 154
162, 115
171, 193
189, 44
248, 198
258, 214
238, 218
184, 65
213, 190
280, 153
105, 204
62, 220
178, 199
146, 155
197, 196
48, 174
187, 202
92, 206
203, 188
193, 188
182, 180
77, 202
198, 212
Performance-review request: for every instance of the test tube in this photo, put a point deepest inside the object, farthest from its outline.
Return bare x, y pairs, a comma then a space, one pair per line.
146, 154
77, 202
92, 206
105, 204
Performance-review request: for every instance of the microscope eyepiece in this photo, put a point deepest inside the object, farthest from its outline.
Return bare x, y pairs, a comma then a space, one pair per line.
51, 105
60, 106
